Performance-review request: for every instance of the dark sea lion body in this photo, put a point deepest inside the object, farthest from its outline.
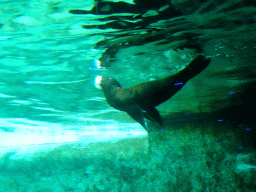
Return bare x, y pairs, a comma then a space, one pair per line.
140, 101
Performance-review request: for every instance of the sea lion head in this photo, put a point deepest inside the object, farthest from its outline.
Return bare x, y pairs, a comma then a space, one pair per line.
106, 83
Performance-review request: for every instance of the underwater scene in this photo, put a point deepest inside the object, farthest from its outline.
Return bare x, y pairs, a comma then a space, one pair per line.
128, 95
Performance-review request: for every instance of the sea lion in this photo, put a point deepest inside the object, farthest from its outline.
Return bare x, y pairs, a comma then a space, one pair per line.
140, 101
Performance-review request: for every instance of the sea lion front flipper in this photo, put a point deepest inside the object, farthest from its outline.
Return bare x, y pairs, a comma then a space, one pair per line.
152, 114
139, 115
135, 112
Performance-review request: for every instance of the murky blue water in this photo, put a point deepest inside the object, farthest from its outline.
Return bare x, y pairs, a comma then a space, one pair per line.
51, 53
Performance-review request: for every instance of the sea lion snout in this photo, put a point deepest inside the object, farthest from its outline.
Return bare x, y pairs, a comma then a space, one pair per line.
97, 82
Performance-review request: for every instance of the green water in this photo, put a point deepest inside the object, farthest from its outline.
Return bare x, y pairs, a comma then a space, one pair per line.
57, 132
